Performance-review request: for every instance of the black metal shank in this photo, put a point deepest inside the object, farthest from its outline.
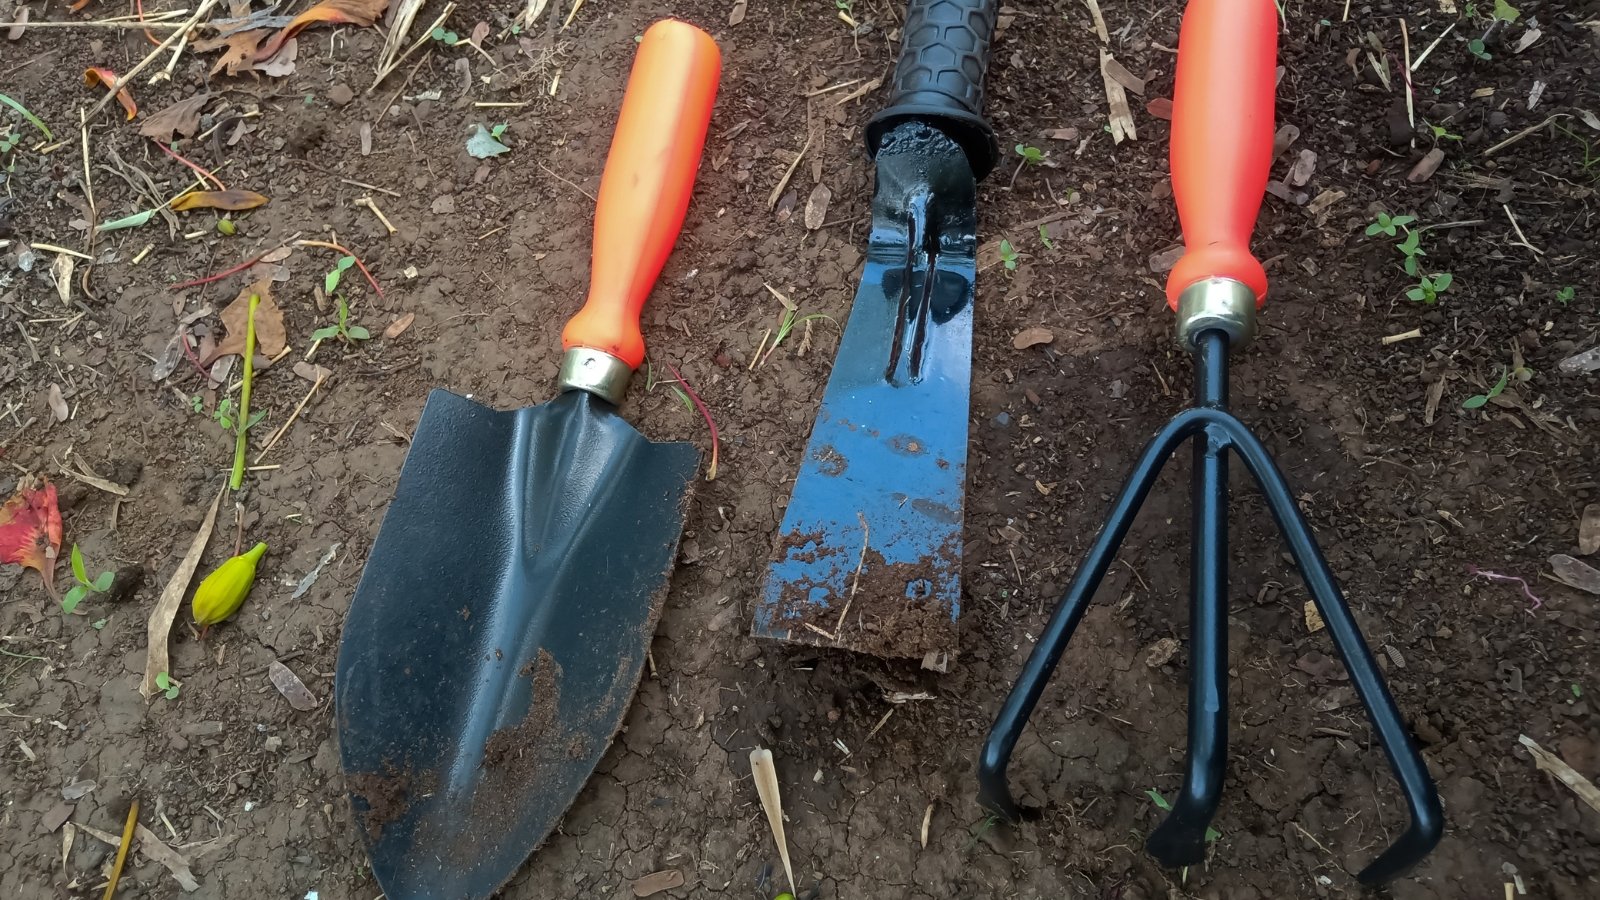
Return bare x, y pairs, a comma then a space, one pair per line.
1180, 840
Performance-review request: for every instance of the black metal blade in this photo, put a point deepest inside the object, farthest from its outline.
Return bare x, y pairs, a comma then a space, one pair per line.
498, 632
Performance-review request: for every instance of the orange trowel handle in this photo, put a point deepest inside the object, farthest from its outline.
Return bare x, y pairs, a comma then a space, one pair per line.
644, 192
1222, 138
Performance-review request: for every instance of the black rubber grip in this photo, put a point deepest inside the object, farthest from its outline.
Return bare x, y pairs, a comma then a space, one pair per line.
944, 53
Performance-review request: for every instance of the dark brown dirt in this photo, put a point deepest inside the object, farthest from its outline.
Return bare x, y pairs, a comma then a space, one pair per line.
1404, 493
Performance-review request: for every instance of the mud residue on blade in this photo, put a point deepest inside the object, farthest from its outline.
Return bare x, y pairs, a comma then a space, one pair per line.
885, 616
518, 746
387, 797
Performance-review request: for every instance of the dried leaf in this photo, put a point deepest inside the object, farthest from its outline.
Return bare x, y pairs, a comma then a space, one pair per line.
270, 336
22, 24
1575, 573
1062, 134
58, 403
1160, 107
817, 206
656, 882
291, 687
1426, 166
158, 629
232, 200
333, 12
736, 15
239, 50
1122, 125
1304, 165
61, 271
399, 326
1555, 765
283, 64
1123, 77
100, 75
311, 371
764, 773
1314, 621
30, 530
1032, 337
182, 118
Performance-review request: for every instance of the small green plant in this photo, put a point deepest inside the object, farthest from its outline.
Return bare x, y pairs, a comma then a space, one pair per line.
1577, 691
1428, 289
1441, 133
1389, 225
498, 132
1411, 249
1044, 238
1030, 155
168, 686
1478, 400
330, 281
1477, 48
448, 38
1565, 295
1161, 803
1008, 255
342, 329
844, 6
85, 586
227, 419
197, 404
1505, 12
9, 140
98, 624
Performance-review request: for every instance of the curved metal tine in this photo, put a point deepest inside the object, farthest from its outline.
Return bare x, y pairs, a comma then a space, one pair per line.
1422, 797
994, 791
1180, 840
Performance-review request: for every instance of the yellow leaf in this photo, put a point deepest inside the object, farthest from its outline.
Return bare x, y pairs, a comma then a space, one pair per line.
101, 75
232, 200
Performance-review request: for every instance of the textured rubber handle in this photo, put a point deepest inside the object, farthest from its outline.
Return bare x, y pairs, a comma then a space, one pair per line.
944, 53
649, 175
1222, 138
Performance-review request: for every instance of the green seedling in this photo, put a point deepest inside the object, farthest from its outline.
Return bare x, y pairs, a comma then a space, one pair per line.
1478, 400
1030, 155
1411, 248
1428, 289
85, 586
197, 404
1441, 133
448, 38
1389, 226
169, 687
98, 624
33, 120
225, 416
1044, 238
1008, 255
9, 140
1591, 159
1577, 692
1565, 295
330, 281
342, 329
1476, 48
1505, 12
1161, 802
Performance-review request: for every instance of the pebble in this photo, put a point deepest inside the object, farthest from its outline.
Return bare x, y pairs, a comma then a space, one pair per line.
340, 94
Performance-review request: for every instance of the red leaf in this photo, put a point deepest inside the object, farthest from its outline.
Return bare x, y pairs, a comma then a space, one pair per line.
336, 12
101, 75
30, 530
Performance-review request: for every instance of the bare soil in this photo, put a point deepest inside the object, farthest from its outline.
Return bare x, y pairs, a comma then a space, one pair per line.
490, 257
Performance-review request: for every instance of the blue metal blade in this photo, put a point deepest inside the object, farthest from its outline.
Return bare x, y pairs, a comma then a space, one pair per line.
869, 554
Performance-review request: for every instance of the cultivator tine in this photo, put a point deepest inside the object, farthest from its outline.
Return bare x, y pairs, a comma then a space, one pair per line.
1222, 138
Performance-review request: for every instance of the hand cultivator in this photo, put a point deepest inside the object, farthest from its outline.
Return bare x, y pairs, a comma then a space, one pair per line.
1221, 153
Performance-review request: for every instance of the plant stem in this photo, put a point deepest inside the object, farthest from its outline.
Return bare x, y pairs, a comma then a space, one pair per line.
242, 427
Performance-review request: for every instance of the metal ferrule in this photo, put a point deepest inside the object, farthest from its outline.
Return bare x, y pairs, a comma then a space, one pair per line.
1217, 303
595, 371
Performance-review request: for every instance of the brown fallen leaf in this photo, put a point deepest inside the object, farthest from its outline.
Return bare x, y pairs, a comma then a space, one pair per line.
1062, 134
1033, 337
239, 50
291, 687
336, 12
656, 882
1166, 259
283, 64
311, 372
736, 15
1284, 139
1160, 107
158, 628
1575, 573
182, 118
1125, 78
399, 326
1304, 166
1426, 166
270, 336
101, 75
22, 25
231, 200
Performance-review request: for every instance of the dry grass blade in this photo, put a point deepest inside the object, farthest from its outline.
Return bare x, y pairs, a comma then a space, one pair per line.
427, 35
401, 17
152, 847
159, 628
178, 34
766, 778
1549, 762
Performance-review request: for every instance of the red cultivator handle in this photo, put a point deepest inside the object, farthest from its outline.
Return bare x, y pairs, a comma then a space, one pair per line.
1221, 153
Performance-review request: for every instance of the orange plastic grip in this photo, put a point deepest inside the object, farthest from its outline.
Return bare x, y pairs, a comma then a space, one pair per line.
649, 175
1222, 138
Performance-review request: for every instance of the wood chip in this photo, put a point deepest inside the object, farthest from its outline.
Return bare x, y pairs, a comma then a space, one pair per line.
927, 819
1062, 134
1122, 126
1164, 261
366, 138
1589, 530
1305, 165
1575, 573
1123, 77
312, 372
61, 271
817, 206
1426, 166
1314, 621
58, 403
1160, 107
1324, 201
399, 326
1284, 139
1033, 337
159, 627
666, 879
56, 816
1549, 762
1099, 21
15, 32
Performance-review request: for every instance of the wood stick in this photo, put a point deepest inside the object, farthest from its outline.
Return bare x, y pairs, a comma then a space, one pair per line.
182, 30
